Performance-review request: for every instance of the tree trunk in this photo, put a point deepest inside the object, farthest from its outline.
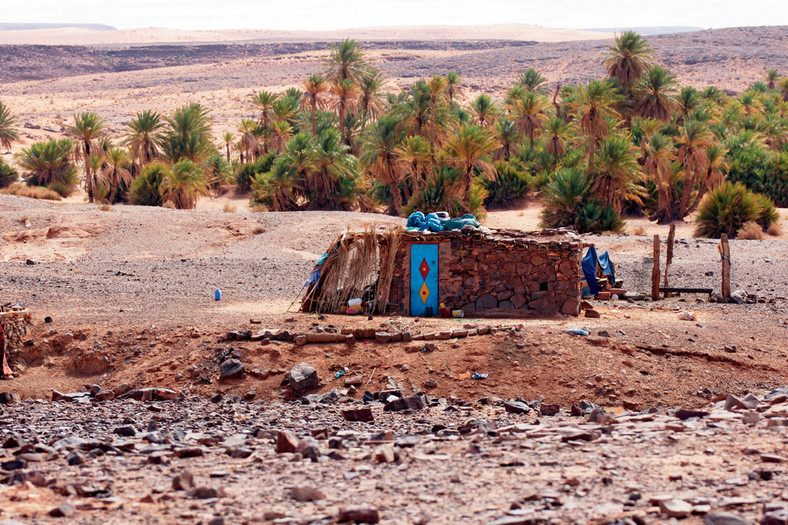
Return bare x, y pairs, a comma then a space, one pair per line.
397, 196
228, 151
314, 120
88, 175
466, 200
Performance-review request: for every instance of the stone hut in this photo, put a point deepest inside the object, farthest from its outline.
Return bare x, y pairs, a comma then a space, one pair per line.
484, 273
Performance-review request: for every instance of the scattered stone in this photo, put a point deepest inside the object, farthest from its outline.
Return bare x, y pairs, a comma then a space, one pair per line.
303, 377
684, 414
286, 442
231, 369
126, 431
66, 510
9, 398
385, 454
675, 508
205, 493
516, 407
360, 414
307, 493
308, 448
724, 518
358, 514
183, 481
404, 403
189, 452
772, 458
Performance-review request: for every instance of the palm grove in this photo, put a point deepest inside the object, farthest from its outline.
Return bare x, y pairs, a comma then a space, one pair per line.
631, 143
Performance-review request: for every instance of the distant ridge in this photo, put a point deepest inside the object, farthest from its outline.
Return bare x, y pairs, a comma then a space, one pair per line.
34, 26
650, 30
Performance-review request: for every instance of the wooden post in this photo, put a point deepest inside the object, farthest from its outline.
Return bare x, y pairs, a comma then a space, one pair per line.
655, 271
669, 257
725, 250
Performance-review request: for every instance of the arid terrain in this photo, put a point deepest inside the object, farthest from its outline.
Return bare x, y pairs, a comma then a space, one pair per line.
138, 398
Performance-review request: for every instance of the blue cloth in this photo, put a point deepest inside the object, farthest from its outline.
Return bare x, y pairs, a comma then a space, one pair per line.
313, 278
590, 263
437, 222
321, 260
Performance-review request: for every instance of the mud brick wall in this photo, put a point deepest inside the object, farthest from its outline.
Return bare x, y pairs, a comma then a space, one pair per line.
487, 276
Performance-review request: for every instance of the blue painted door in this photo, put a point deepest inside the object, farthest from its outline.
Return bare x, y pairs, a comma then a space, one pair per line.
424, 280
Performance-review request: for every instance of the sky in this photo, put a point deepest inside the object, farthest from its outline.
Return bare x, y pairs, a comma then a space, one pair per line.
343, 14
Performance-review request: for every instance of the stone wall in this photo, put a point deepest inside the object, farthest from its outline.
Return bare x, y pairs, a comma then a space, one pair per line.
497, 275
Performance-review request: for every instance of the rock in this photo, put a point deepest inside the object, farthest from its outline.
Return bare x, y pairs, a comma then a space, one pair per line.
549, 410
303, 377
300, 340
724, 518
14, 464
404, 403
385, 454
286, 443
684, 414
205, 493
360, 414
189, 452
382, 337
354, 380
8, 398
772, 458
66, 510
231, 369
516, 407
750, 417
358, 514
104, 395
779, 517
307, 493
126, 431
183, 481
675, 508
89, 362
308, 448
592, 314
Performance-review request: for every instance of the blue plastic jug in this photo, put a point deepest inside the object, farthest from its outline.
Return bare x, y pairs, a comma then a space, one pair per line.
217, 295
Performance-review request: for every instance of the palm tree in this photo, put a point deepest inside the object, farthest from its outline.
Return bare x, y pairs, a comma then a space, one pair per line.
264, 101
8, 132
692, 141
556, 129
437, 85
532, 80
278, 188
88, 128
468, 150
453, 82
783, 85
615, 168
280, 134
248, 140
115, 171
345, 99
144, 137
687, 100
717, 166
529, 113
183, 184
333, 167
371, 102
484, 110
413, 157
658, 156
771, 78
629, 58
379, 144
414, 111
48, 162
314, 88
750, 103
346, 61
654, 94
228, 139
594, 103
508, 135
189, 134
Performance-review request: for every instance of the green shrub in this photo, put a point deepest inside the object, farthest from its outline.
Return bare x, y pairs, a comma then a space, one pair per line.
146, 189
767, 212
8, 175
725, 209
247, 172
569, 204
508, 187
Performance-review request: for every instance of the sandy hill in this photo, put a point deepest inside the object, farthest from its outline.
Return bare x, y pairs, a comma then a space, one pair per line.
80, 36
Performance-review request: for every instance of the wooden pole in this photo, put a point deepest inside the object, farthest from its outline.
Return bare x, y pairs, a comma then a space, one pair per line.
655, 271
669, 257
725, 250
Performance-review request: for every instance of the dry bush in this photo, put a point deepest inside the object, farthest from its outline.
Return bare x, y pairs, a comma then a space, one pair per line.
774, 229
105, 207
229, 207
257, 230
258, 208
169, 204
640, 230
750, 231
34, 192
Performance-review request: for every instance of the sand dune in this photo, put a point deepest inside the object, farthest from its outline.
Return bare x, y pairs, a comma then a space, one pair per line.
80, 36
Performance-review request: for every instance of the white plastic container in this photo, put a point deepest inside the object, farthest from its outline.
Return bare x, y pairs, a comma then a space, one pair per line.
354, 302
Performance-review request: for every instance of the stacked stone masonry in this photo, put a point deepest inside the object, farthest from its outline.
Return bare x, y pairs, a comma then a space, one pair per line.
502, 274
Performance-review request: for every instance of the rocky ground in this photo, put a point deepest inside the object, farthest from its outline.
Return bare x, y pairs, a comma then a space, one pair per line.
329, 459
129, 294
